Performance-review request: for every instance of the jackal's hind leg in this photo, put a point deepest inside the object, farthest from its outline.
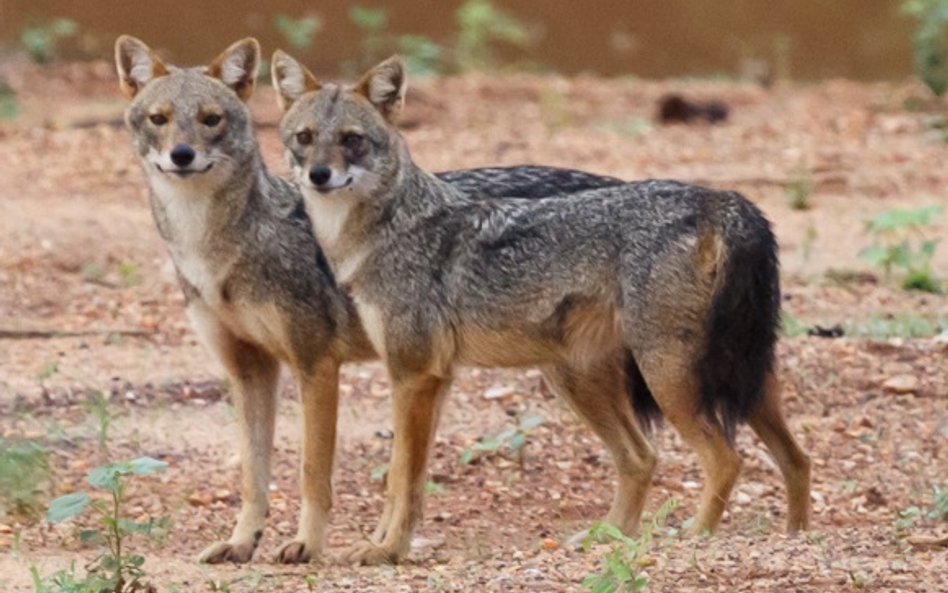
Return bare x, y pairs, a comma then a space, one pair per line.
599, 396
674, 384
768, 422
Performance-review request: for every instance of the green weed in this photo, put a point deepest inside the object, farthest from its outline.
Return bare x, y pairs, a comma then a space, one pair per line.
896, 326
931, 49
790, 326
901, 240
130, 273
798, 188
513, 439
298, 32
422, 55
115, 569
41, 40
9, 104
24, 477
97, 405
481, 26
623, 565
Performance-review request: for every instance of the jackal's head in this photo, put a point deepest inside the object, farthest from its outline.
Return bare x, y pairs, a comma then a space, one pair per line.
189, 123
340, 139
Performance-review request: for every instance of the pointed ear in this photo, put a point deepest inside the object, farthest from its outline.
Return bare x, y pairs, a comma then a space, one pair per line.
384, 86
291, 79
136, 64
237, 67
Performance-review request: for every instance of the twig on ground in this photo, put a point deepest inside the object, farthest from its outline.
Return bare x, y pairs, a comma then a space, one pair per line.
39, 334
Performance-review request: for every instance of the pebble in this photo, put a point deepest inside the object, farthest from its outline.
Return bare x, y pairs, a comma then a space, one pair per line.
498, 392
901, 384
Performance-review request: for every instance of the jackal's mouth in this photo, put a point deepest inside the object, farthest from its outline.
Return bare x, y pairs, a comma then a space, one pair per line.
326, 188
185, 173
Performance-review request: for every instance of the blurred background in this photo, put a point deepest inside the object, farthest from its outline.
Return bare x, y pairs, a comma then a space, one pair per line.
802, 39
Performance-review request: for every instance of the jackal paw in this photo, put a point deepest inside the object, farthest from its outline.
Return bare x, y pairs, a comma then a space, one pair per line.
296, 552
368, 553
220, 552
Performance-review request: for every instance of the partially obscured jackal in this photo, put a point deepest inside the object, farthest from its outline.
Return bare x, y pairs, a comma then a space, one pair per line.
670, 287
258, 289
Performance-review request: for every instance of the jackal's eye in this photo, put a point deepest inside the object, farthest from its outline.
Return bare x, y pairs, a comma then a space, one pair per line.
304, 137
352, 142
210, 120
158, 119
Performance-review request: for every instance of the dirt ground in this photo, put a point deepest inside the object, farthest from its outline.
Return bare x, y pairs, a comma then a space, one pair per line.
79, 253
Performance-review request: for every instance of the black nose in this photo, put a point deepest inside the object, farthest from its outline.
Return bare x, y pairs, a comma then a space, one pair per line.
182, 155
320, 174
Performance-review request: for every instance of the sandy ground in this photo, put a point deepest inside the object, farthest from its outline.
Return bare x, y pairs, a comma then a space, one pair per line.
79, 253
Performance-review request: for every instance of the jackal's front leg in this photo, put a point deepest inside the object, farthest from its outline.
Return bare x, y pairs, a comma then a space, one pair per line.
416, 403
255, 375
319, 395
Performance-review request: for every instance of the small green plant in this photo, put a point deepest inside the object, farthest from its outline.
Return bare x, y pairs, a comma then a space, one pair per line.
909, 517
513, 439
130, 273
556, 110
24, 477
939, 511
62, 581
372, 23
49, 369
790, 326
931, 49
481, 25
901, 240
623, 564
905, 325
380, 471
299, 33
41, 40
98, 406
628, 126
422, 55
218, 585
9, 104
115, 569
798, 188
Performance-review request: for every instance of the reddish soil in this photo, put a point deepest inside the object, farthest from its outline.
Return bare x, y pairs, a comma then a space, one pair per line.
79, 253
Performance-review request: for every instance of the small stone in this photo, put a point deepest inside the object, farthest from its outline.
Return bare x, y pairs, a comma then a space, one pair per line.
421, 543
498, 392
550, 544
199, 499
901, 384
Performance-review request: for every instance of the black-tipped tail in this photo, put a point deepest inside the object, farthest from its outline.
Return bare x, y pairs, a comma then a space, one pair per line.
745, 312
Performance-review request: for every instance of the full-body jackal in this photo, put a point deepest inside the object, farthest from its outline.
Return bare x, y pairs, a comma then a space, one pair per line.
665, 284
258, 289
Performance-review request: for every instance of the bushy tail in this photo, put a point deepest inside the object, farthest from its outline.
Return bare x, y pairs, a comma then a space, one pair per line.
745, 310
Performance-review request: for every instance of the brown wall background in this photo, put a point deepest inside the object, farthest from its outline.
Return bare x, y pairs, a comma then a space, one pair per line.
861, 39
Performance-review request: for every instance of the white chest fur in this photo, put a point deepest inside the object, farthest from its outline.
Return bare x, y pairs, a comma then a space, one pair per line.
186, 210
329, 214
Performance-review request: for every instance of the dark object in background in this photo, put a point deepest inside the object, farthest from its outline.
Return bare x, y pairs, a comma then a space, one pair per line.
826, 332
676, 109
